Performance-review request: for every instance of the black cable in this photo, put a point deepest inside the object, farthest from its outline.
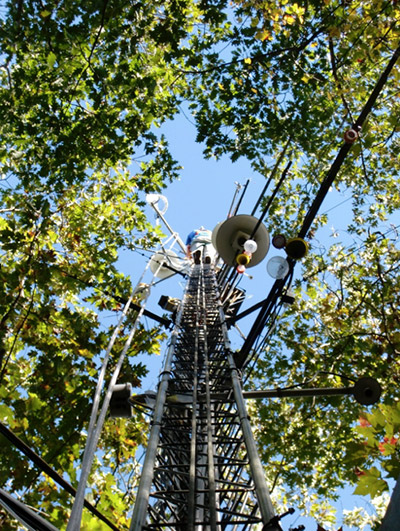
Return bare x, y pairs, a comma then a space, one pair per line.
23, 513
45, 467
272, 175
337, 164
265, 312
271, 198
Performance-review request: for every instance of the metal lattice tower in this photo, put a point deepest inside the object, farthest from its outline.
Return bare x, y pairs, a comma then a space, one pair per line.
201, 470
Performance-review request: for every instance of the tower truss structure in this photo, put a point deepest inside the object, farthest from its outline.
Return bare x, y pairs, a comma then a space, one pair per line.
202, 469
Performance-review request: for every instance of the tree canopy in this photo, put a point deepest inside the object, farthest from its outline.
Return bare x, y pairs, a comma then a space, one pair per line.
84, 90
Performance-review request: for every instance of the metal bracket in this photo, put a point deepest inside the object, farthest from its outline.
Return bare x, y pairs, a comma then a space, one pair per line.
273, 524
366, 391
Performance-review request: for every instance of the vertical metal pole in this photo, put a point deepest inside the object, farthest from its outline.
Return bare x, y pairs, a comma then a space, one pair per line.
257, 471
143, 493
192, 467
212, 499
193, 442
210, 458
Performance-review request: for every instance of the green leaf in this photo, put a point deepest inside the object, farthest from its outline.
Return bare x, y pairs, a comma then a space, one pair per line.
51, 59
371, 484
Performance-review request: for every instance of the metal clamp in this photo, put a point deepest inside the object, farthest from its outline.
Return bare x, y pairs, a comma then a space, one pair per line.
274, 522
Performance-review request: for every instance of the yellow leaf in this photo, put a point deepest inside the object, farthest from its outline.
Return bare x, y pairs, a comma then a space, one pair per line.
247, 61
289, 19
298, 10
305, 78
262, 35
254, 90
